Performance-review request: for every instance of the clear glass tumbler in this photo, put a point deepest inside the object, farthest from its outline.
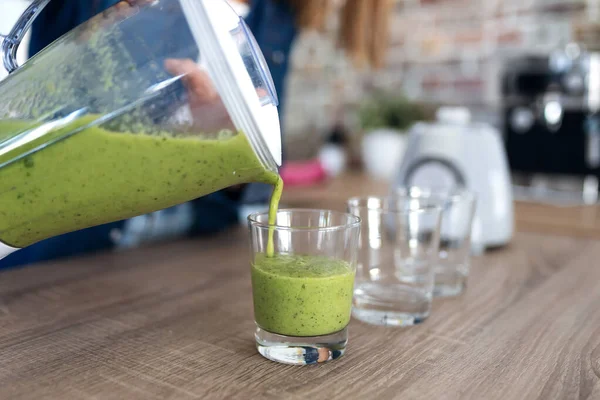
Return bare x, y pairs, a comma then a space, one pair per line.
397, 249
302, 291
458, 209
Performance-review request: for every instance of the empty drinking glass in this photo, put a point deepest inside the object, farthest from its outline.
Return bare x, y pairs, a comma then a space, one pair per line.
458, 208
398, 246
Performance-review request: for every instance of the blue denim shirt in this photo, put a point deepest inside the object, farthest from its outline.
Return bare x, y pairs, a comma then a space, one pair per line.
272, 23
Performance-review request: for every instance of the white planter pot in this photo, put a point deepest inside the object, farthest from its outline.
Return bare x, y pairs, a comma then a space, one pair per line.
382, 152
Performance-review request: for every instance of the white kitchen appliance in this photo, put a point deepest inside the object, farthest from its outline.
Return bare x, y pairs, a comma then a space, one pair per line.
454, 152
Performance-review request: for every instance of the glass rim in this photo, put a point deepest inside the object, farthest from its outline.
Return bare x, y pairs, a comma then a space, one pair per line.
361, 202
254, 222
452, 195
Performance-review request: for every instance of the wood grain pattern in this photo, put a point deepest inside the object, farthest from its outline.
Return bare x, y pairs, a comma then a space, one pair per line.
175, 322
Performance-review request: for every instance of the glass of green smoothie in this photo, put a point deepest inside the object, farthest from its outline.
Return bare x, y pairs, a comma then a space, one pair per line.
303, 268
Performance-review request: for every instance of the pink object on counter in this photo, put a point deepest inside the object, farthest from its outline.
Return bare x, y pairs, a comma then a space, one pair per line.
302, 173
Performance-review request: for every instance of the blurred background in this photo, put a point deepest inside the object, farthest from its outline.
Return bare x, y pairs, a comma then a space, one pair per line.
440, 51
528, 68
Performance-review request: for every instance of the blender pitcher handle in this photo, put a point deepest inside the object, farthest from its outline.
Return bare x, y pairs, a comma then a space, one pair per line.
11, 42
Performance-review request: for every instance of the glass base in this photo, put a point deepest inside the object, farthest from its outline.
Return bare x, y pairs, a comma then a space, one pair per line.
296, 350
390, 304
449, 283
448, 290
388, 318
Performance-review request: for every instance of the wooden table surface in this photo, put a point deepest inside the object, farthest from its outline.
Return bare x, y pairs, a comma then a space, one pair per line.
175, 322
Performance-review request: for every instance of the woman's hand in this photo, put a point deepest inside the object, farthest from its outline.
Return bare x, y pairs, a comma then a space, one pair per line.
208, 111
204, 101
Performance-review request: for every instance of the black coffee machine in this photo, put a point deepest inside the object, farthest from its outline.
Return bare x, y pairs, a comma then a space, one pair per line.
551, 110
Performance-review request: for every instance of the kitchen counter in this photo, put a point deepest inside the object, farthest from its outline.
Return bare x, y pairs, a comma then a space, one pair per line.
175, 322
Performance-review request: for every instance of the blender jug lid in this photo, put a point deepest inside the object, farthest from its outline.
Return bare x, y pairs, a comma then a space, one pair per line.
239, 72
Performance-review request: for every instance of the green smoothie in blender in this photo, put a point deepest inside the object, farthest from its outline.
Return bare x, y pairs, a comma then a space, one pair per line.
97, 176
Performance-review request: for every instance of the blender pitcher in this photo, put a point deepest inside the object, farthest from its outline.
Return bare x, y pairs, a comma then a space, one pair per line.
147, 105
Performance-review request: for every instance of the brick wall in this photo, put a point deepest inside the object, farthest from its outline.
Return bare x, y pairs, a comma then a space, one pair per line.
449, 51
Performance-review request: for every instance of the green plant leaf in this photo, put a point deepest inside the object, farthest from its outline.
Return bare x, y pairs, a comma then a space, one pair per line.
383, 110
